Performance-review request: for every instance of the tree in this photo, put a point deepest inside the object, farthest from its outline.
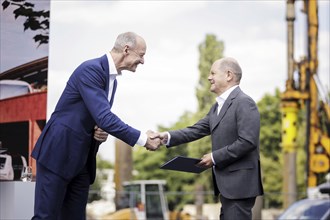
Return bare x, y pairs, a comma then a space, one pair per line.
270, 124
210, 50
271, 152
35, 20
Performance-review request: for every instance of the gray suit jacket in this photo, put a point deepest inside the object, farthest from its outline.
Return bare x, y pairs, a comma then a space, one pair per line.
235, 145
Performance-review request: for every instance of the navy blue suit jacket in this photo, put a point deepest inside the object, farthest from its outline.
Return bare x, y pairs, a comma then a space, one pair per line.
66, 143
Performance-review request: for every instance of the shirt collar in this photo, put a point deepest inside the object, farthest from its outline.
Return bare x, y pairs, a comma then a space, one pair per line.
223, 97
112, 67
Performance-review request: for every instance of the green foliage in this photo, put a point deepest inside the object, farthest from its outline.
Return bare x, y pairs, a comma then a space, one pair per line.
272, 178
270, 151
270, 124
103, 164
34, 20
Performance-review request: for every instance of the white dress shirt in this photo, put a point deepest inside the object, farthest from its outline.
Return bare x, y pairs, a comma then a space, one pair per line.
113, 74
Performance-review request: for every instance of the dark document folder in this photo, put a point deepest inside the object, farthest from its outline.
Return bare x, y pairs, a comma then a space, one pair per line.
185, 164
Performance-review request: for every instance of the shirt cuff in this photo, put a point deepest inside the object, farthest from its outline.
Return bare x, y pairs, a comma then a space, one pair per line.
142, 139
212, 158
168, 139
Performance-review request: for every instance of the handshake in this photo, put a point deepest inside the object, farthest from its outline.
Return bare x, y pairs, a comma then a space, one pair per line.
155, 140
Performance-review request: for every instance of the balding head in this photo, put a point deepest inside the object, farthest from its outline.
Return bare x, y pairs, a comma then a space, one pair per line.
128, 38
230, 64
224, 74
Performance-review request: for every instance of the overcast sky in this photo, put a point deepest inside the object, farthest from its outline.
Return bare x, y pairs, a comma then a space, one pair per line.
161, 90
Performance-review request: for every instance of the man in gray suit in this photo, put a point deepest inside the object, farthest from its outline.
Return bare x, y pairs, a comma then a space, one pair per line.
234, 124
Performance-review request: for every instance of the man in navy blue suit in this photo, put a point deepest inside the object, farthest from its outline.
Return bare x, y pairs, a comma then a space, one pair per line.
66, 150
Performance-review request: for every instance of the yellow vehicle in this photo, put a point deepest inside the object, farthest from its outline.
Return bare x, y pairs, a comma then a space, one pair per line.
144, 199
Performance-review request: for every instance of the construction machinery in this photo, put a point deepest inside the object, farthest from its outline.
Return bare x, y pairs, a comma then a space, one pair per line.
144, 199
304, 92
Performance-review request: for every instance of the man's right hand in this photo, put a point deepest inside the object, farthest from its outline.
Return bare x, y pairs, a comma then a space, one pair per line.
163, 137
153, 141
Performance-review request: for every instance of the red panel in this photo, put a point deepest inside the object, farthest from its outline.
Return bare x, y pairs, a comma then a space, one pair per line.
24, 108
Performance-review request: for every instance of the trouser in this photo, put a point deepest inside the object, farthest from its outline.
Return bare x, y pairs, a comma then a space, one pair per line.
57, 198
236, 208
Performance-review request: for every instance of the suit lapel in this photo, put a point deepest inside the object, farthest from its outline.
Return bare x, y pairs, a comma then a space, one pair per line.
217, 118
214, 119
105, 66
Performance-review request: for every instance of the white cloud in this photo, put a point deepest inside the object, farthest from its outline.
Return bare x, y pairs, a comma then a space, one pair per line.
101, 13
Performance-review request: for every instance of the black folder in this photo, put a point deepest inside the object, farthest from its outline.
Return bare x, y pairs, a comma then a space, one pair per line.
184, 164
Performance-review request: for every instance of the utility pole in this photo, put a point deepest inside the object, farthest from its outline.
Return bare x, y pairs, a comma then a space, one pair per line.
199, 201
289, 109
123, 167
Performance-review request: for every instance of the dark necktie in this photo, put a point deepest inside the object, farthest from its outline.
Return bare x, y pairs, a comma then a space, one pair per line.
113, 92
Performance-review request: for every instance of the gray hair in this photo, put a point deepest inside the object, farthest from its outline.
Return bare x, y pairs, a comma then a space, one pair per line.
127, 38
232, 65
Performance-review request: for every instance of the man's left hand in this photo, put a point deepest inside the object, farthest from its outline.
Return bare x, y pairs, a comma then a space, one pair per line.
99, 134
206, 161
